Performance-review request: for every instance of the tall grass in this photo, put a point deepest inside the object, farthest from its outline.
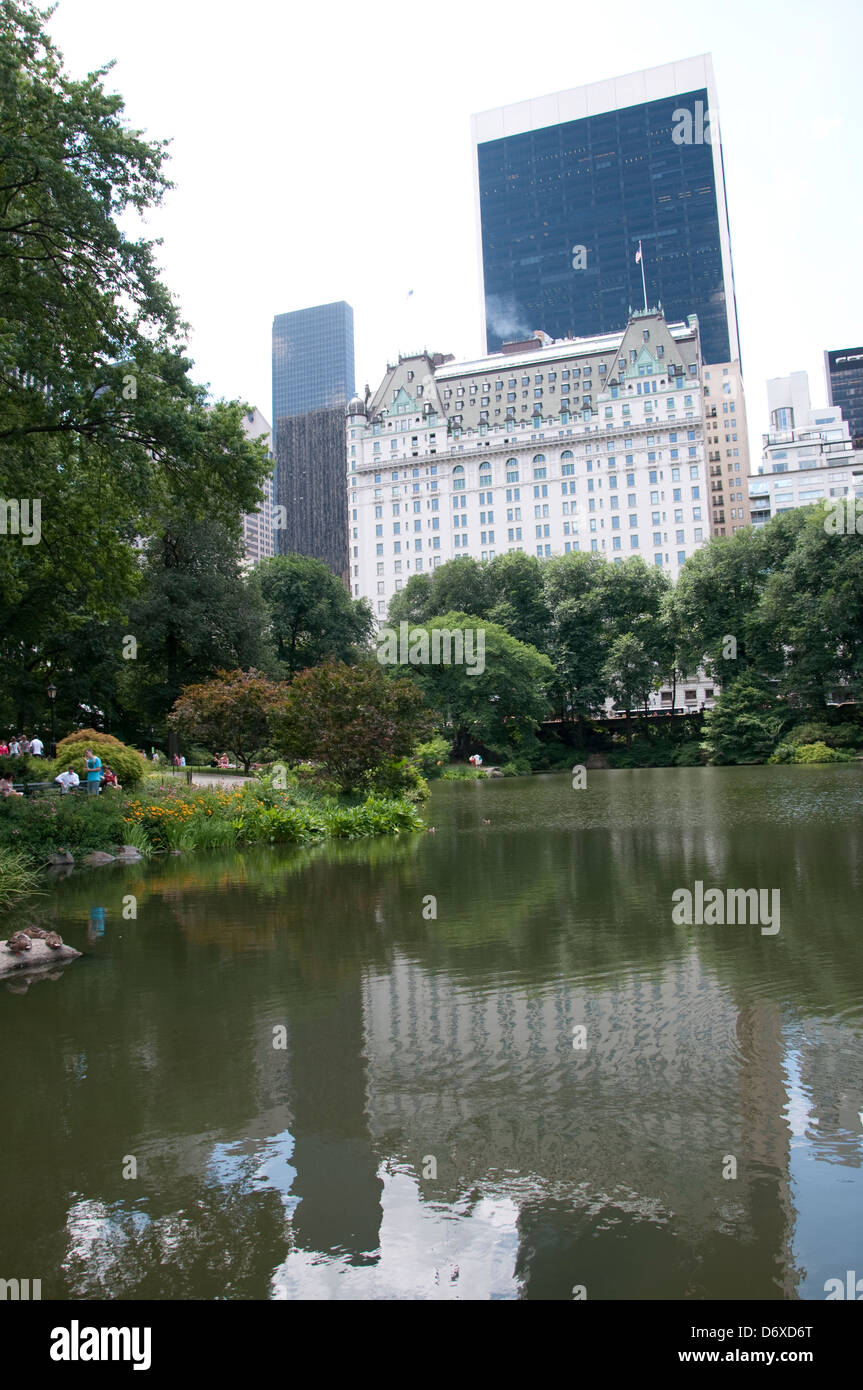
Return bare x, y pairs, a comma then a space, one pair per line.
18, 877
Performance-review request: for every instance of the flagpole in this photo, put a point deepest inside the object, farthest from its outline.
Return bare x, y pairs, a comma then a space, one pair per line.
643, 281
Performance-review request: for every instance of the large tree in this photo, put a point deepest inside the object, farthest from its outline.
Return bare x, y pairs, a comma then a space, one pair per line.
311, 617
498, 702
101, 426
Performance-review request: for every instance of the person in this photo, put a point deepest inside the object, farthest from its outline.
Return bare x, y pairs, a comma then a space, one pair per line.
6, 788
223, 761
67, 780
94, 773
175, 760
14, 747
4, 749
37, 747
182, 761
110, 778
24, 746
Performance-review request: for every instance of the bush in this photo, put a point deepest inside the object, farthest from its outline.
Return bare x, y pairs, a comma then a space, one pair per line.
432, 757
819, 753
809, 733
400, 776
28, 769
463, 774
517, 767
39, 826
129, 766
689, 754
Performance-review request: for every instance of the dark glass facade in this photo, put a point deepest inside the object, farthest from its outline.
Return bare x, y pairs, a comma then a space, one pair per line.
310, 485
313, 359
845, 387
603, 183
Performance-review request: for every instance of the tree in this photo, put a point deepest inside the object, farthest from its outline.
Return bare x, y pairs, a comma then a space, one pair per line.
311, 617
578, 639
100, 423
195, 615
413, 603
460, 586
812, 606
744, 724
517, 600
234, 713
350, 719
498, 706
629, 674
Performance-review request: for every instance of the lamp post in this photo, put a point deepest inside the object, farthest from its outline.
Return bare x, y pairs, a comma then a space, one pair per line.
52, 695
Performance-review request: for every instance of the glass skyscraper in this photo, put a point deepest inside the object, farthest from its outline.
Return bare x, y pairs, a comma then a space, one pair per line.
568, 185
844, 368
313, 359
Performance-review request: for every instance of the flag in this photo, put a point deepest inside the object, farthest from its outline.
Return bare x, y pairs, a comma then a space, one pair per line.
638, 256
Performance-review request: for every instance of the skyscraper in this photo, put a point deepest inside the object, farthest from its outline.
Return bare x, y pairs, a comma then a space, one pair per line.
313, 380
313, 359
844, 371
569, 186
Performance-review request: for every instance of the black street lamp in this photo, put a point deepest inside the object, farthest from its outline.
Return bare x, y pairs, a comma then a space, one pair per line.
52, 695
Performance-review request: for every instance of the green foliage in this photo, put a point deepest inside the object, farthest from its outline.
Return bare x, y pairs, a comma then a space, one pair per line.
128, 765
743, 726
27, 769
432, 756
516, 767
810, 753
495, 707
39, 826
463, 774
18, 878
400, 777
310, 616
350, 719
689, 754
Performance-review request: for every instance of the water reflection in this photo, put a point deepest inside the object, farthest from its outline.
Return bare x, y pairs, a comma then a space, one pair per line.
429, 1130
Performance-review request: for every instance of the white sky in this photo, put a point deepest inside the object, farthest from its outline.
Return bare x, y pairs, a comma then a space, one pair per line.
321, 151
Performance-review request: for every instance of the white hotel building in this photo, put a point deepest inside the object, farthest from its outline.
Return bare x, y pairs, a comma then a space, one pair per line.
546, 447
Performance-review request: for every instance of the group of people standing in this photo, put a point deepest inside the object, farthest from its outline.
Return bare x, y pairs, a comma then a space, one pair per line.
22, 747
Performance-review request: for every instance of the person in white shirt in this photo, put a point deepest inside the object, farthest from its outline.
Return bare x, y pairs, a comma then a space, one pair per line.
68, 779
36, 747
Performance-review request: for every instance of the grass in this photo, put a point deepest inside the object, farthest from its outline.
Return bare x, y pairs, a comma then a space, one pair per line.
18, 877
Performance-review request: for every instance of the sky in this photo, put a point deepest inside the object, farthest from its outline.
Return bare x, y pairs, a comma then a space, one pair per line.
322, 152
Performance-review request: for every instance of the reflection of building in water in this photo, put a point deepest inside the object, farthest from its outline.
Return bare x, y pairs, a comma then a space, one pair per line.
634, 1129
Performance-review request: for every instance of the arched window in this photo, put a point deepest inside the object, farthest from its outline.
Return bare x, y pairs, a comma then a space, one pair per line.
458, 477
539, 458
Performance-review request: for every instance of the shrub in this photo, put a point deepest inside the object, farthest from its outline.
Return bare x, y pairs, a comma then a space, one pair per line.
432, 757
129, 766
463, 774
808, 733
401, 776
27, 769
689, 754
517, 767
819, 753
38, 826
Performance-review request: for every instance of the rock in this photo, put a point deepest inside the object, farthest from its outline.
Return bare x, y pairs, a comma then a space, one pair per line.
596, 760
38, 957
493, 772
62, 856
98, 857
129, 854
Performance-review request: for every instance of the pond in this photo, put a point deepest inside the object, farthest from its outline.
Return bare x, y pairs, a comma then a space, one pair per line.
481, 1063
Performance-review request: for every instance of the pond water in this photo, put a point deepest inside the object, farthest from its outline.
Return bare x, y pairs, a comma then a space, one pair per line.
479, 1063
